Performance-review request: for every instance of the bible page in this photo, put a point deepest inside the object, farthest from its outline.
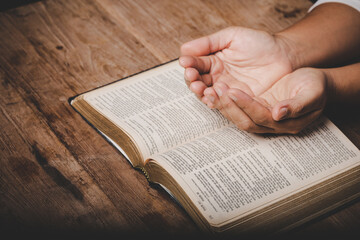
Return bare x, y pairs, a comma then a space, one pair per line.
230, 173
156, 109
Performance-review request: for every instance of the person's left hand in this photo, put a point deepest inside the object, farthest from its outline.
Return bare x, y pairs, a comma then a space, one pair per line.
243, 58
288, 106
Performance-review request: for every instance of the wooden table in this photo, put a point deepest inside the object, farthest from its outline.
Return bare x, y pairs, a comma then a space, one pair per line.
58, 175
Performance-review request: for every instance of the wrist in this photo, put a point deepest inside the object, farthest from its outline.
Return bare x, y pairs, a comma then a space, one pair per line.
290, 49
343, 83
331, 89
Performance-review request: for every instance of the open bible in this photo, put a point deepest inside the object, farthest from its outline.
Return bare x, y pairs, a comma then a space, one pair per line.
226, 179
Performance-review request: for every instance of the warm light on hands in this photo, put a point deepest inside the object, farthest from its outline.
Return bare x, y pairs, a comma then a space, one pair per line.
291, 104
246, 74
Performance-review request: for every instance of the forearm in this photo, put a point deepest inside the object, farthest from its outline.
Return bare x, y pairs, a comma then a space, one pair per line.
328, 36
344, 84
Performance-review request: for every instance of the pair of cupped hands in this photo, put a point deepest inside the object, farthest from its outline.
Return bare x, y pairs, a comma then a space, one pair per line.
248, 76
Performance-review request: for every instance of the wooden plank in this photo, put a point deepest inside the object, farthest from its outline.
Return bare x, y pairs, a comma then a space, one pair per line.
81, 187
162, 26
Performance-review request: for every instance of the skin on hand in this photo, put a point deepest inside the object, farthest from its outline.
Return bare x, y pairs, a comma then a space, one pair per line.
241, 71
245, 59
293, 102
242, 58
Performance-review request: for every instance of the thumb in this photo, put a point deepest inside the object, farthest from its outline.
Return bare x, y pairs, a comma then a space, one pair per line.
209, 44
300, 105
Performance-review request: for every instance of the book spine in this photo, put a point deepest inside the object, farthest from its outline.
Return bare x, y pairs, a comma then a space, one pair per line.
145, 173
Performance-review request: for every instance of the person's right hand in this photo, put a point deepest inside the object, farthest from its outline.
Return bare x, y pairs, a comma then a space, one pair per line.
242, 58
288, 106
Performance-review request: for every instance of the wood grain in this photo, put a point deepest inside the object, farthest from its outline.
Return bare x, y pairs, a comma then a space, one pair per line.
57, 174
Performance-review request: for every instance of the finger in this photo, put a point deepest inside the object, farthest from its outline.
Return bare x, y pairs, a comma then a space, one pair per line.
198, 88
191, 75
213, 99
301, 104
295, 125
220, 92
258, 113
235, 114
205, 100
262, 116
207, 79
209, 44
202, 64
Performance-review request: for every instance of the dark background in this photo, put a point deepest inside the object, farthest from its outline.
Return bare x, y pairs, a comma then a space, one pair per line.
8, 4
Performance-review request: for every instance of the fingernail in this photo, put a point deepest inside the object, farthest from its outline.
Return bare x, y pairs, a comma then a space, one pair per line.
233, 98
283, 112
218, 91
204, 101
211, 98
